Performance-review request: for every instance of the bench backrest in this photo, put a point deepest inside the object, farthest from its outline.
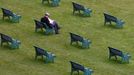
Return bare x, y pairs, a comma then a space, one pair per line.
110, 18
115, 52
7, 12
77, 6
76, 66
38, 24
75, 37
5, 38
40, 51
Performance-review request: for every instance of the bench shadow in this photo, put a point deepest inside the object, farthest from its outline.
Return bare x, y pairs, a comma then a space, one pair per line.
115, 61
79, 46
6, 47
40, 32
38, 60
113, 26
77, 14
43, 33
75, 73
80, 15
5, 21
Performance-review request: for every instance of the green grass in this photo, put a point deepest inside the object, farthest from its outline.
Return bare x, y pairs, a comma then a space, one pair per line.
21, 61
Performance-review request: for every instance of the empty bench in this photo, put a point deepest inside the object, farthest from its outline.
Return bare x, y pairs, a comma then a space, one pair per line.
41, 52
13, 43
110, 19
12, 16
115, 52
78, 7
77, 67
76, 38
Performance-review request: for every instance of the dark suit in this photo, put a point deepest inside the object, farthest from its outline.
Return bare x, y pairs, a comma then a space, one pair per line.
45, 20
54, 25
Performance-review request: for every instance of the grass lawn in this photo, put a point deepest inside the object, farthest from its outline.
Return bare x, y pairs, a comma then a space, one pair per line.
21, 61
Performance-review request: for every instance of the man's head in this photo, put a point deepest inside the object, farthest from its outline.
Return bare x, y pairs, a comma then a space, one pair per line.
47, 14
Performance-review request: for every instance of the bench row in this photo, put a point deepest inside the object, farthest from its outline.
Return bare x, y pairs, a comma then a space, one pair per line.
76, 7
13, 43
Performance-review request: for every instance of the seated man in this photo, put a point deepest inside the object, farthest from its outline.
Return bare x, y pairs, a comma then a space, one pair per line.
51, 23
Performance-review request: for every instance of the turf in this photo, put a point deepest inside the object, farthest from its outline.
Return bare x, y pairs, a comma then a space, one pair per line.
21, 61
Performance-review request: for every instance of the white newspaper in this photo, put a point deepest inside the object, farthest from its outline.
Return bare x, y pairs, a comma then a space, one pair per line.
51, 21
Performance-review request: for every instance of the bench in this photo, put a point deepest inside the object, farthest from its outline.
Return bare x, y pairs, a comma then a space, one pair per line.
41, 52
76, 38
77, 67
12, 16
110, 19
38, 25
115, 52
53, 2
78, 7
13, 43
41, 25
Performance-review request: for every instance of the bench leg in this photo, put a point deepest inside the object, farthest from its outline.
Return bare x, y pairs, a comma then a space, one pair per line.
48, 1
110, 22
71, 72
1, 43
42, 29
42, 57
42, 1
116, 57
3, 17
105, 23
9, 17
35, 29
78, 72
73, 12
71, 43
79, 11
35, 57
77, 42
109, 57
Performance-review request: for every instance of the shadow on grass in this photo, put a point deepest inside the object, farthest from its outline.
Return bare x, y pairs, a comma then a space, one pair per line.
39, 60
40, 32
111, 26
80, 15
43, 33
48, 5
75, 73
5, 21
6, 47
36, 61
79, 46
114, 61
